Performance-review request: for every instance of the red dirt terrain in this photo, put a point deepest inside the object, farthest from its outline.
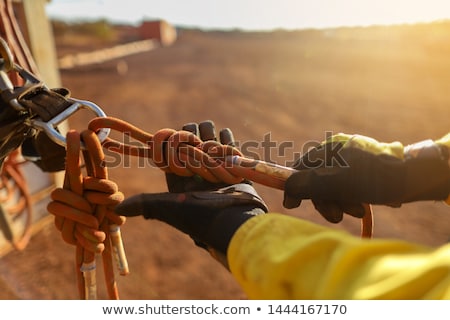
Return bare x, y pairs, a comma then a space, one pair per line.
390, 83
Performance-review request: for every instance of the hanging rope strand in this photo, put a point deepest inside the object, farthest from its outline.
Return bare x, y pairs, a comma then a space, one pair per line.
84, 207
14, 182
84, 214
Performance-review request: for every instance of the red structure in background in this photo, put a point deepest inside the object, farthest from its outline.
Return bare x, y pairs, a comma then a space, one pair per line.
160, 30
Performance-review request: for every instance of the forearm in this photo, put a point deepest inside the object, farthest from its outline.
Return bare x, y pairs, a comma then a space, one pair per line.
279, 257
445, 141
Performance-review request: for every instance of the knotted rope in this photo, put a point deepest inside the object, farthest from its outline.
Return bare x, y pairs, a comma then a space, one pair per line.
179, 152
84, 206
185, 154
84, 213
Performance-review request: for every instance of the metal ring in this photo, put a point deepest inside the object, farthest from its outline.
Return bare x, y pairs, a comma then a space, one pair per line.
49, 127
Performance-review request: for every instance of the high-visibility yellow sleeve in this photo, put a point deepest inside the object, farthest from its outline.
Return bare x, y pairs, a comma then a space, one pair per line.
275, 256
445, 141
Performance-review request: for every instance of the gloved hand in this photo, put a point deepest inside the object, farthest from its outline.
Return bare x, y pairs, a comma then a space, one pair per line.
209, 213
348, 170
206, 131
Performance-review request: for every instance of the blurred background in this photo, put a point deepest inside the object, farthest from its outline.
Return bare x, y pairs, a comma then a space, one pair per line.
288, 71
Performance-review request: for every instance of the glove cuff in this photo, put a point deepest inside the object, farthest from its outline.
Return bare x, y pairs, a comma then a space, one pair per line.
227, 223
231, 218
428, 165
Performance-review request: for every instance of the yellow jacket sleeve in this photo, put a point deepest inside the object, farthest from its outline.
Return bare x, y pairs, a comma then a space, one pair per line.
275, 256
445, 141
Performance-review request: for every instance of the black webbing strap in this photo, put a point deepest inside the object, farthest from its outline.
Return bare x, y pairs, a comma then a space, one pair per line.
14, 132
13, 129
29, 92
40, 149
46, 103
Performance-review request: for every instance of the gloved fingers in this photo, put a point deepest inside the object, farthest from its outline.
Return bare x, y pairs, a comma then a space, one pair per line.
354, 209
334, 211
207, 130
153, 205
149, 204
291, 202
227, 137
314, 158
210, 218
191, 127
331, 211
176, 209
167, 204
159, 206
177, 183
323, 155
297, 188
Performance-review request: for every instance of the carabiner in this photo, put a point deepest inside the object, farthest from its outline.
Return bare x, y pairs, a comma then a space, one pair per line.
50, 127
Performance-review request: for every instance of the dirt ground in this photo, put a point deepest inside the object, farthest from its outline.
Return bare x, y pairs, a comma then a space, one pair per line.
388, 83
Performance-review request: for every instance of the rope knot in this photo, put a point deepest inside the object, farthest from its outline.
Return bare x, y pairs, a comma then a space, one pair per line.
180, 152
78, 224
84, 213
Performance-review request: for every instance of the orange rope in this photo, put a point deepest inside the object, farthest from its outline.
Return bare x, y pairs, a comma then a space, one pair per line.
11, 32
12, 181
84, 207
184, 154
179, 152
16, 197
84, 213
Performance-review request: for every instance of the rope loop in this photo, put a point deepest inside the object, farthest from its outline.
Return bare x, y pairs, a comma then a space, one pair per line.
180, 152
84, 213
84, 206
183, 153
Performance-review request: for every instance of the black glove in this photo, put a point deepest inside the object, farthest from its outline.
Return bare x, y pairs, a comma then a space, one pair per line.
348, 170
205, 131
209, 213
209, 217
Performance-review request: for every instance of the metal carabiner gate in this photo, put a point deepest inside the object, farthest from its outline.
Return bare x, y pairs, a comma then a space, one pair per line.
50, 127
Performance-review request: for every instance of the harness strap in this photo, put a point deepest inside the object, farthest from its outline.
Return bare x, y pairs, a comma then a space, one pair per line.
36, 99
40, 149
46, 103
